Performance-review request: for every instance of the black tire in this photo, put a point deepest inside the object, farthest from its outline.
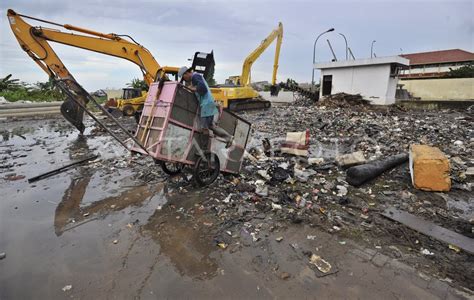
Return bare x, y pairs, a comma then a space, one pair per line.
128, 110
170, 168
206, 169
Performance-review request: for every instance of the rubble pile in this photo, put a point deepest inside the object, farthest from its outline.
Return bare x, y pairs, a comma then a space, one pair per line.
343, 100
275, 189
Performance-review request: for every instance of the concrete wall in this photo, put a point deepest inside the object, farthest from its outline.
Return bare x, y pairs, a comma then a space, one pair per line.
372, 82
441, 89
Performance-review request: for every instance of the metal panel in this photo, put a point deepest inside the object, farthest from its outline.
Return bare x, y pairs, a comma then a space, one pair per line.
158, 122
241, 133
235, 159
175, 141
185, 107
228, 122
200, 143
221, 151
431, 229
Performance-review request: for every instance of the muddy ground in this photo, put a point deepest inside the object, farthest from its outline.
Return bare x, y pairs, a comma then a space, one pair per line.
119, 228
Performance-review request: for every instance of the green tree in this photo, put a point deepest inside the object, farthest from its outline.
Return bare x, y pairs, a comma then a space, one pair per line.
137, 83
9, 84
14, 90
210, 78
466, 71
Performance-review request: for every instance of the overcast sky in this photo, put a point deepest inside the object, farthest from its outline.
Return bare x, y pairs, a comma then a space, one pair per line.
174, 30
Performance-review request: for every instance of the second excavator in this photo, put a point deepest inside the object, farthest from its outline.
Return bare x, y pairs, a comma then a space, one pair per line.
237, 94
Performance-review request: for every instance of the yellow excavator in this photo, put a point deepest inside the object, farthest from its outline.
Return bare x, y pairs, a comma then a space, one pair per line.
236, 93
35, 42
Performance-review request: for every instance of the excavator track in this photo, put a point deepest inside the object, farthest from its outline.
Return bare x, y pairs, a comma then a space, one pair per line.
249, 104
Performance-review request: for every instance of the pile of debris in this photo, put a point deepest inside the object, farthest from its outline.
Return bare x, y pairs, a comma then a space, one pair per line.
275, 187
343, 100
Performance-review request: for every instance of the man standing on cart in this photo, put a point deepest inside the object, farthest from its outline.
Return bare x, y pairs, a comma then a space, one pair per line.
206, 101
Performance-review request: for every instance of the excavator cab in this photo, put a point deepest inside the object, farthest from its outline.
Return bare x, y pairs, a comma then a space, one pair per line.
130, 93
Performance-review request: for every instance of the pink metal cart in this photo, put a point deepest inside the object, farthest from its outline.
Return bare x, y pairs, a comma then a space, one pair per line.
169, 130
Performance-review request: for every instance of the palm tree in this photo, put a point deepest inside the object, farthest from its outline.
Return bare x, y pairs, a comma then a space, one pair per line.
138, 84
9, 84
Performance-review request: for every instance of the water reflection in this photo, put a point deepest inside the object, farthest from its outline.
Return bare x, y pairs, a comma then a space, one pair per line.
187, 243
69, 212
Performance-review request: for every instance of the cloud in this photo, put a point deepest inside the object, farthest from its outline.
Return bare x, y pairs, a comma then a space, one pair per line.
174, 30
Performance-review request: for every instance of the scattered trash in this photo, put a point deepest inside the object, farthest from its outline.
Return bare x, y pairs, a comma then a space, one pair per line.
426, 252
320, 263
261, 189
254, 236
303, 174
14, 177
3, 255
115, 241
296, 143
227, 199
341, 190
67, 288
315, 161
454, 248
264, 174
222, 245
276, 206
351, 159
284, 275
358, 175
86, 214
279, 239
311, 237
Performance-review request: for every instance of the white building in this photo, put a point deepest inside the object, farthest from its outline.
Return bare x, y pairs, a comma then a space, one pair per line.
374, 78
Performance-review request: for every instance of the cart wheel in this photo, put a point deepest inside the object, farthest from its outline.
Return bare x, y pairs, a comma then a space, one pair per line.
206, 169
128, 110
171, 168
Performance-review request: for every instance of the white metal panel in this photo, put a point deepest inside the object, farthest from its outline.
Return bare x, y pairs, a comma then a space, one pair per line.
241, 133
176, 141
221, 151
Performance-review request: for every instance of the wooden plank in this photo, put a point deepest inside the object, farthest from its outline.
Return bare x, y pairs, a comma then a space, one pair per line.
430, 229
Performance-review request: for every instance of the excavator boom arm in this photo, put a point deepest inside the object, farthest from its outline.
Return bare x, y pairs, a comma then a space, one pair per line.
252, 57
34, 40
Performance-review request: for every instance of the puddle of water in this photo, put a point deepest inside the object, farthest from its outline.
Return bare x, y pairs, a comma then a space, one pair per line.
187, 244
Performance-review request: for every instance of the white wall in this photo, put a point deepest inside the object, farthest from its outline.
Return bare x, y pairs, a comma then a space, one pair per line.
373, 82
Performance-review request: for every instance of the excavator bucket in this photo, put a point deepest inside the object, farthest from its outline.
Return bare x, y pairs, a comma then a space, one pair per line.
204, 63
73, 113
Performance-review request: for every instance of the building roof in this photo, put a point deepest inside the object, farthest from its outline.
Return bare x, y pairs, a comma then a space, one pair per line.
363, 62
443, 56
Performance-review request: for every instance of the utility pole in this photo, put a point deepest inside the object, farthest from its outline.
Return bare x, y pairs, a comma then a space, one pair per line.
314, 53
345, 40
372, 49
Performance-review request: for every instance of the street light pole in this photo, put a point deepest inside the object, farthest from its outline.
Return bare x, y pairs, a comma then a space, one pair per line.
372, 49
314, 53
345, 40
